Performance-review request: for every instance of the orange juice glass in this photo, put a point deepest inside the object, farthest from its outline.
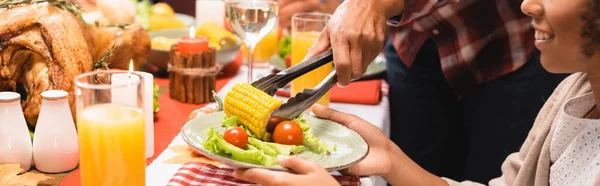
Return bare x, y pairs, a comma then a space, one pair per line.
306, 28
110, 124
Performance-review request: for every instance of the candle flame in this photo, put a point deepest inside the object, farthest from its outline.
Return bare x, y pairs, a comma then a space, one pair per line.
131, 65
192, 32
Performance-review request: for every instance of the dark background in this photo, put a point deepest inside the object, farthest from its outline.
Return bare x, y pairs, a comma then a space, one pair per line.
181, 6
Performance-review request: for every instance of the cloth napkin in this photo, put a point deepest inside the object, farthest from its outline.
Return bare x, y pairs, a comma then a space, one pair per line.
196, 173
361, 92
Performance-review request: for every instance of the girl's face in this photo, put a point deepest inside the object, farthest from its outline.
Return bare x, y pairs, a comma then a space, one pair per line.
558, 28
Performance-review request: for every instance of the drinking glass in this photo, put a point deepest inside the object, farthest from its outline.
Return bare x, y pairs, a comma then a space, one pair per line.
306, 28
110, 122
251, 20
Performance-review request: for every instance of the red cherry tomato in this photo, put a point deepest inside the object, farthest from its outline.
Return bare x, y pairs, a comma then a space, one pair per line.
273, 123
236, 136
288, 133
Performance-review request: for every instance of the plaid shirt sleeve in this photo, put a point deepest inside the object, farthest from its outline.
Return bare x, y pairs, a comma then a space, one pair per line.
478, 40
414, 9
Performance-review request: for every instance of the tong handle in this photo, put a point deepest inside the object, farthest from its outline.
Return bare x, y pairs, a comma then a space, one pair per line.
272, 82
296, 105
305, 67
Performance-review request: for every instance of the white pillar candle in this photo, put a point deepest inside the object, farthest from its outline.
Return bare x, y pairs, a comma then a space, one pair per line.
124, 92
148, 88
210, 11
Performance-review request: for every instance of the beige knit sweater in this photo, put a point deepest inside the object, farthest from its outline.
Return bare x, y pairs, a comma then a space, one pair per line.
531, 165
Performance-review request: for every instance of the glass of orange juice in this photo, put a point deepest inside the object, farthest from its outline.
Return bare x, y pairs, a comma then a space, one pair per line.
110, 127
306, 28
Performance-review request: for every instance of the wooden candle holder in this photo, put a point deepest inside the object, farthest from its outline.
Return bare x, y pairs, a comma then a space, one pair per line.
192, 77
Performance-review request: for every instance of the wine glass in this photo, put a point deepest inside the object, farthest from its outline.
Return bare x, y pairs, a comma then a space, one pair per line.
251, 20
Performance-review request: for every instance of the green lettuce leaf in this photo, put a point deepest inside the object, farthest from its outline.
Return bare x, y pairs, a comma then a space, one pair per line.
230, 122
268, 149
250, 135
302, 123
217, 144
274, 149
315, 144
310, 140
287, 149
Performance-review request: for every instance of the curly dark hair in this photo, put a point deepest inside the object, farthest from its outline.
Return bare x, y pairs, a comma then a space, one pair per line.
591, 27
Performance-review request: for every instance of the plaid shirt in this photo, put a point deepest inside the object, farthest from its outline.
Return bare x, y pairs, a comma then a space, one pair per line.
478, 40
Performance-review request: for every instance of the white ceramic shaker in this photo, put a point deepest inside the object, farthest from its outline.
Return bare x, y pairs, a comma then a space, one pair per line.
55, 145
15, 142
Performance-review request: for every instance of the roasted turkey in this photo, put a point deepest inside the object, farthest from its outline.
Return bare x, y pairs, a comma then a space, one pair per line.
43, 47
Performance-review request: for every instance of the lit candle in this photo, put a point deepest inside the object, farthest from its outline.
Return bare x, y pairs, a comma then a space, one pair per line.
191, 43
125, 93
128, 95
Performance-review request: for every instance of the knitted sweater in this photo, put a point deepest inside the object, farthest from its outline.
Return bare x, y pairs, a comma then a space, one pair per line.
533, 163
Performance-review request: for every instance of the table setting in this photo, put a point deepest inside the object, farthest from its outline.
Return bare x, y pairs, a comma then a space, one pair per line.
148, 96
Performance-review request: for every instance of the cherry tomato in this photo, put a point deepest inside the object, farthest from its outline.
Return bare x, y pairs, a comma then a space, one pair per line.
236, 136
288, 133
273, 123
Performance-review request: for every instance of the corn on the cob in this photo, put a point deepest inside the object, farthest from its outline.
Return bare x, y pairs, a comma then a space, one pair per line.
253, 107
217, 35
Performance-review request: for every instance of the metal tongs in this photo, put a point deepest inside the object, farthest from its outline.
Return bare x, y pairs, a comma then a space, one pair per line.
302, 101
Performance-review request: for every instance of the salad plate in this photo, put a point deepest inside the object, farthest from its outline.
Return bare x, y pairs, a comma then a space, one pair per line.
350, 147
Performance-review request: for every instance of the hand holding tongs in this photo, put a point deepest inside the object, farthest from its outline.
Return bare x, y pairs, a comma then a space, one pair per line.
305, 99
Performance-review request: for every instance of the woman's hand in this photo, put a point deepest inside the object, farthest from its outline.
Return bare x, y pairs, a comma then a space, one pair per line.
309, 173
380, 158
356, 33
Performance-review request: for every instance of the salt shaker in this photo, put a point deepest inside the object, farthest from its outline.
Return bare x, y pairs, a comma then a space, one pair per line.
55, 145
15, 142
